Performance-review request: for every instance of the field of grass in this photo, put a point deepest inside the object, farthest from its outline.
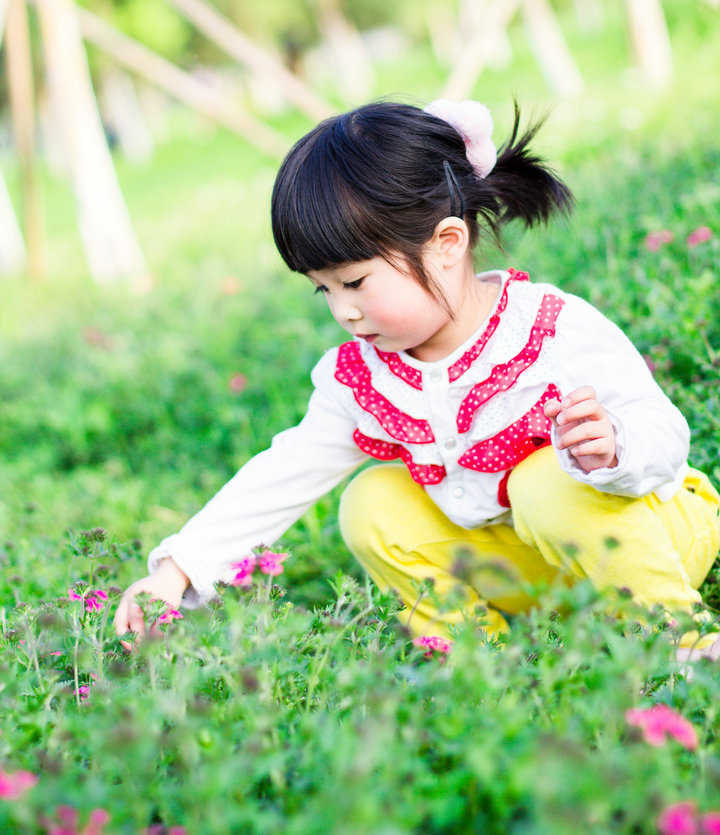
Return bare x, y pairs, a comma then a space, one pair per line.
301, 707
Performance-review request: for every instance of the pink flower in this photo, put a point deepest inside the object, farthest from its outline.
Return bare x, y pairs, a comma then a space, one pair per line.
678, 819
710, 823
654, 240
432, 644
95, 601
169, 615
66, 822
84, 692
699, 236
270, 562
244, 569
660, 721
13, 786
237, 383
73, 595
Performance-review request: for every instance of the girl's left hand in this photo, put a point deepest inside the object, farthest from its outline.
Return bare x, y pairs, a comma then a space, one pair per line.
584, 429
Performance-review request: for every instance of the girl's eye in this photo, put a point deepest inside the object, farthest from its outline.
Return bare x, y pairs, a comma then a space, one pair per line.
353, 285
320, 288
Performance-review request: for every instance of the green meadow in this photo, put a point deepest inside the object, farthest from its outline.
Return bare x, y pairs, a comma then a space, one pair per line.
298, 705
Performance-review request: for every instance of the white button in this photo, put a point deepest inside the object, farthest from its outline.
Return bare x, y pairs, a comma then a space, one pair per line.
458, 492
436, 375
451, 443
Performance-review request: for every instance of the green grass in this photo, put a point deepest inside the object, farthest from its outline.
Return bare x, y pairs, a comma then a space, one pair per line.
304, 708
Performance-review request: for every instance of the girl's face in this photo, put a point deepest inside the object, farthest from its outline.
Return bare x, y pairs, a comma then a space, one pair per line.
384, 305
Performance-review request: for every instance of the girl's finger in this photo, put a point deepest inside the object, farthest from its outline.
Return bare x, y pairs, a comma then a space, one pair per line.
578, 395
586, 409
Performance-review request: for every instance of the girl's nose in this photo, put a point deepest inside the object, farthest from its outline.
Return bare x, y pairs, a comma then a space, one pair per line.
344, 310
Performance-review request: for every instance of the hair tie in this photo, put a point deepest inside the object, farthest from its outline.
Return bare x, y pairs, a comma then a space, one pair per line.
473, 122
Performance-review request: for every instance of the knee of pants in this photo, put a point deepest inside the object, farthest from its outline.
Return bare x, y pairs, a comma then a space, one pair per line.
369, 504
545, 500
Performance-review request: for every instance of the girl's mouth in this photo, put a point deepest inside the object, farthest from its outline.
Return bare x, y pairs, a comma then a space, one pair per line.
368, 337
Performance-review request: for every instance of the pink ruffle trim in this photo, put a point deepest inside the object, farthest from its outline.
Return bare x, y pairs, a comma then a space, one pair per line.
504, 376
384, 451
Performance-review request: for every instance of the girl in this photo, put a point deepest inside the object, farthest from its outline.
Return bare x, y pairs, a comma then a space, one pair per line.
527, 431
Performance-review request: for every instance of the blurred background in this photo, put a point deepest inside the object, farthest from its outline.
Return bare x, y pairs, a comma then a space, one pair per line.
150, 338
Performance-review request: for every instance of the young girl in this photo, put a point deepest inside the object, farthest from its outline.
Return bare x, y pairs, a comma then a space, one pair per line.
526, 430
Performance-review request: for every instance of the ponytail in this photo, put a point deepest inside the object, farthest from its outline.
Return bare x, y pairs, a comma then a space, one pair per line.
523, 186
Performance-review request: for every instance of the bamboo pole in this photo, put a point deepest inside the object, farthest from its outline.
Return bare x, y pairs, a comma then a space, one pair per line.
180, 85
477, 49
551, 50
651, 40
18, 57
256, 59
106, 230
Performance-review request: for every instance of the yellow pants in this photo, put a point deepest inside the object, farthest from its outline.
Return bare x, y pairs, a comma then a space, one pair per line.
563, 530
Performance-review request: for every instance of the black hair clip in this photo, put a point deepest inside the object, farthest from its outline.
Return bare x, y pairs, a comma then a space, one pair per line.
454, 189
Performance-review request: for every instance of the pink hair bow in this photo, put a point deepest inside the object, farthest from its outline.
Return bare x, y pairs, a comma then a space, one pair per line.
473, 122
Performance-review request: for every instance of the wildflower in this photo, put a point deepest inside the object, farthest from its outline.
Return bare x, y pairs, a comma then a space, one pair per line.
169, 615
270, 562
678, 819
13, 786
699, 236
84, 692
66, 822
94, 600
432, 644
710, 823
654, 240
660, 721
237, 383
244, 569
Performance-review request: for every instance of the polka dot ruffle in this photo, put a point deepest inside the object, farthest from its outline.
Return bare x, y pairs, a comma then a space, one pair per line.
513, 445
384, 451
351, 371
412, 376
504, 376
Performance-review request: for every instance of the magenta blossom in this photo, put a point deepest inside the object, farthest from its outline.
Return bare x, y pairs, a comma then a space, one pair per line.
660, 721
13, 786
244, 571
683, 819
270, 562
237, 383
169, 615
66, 822
699, 236
654, 240
94, 600
432, 644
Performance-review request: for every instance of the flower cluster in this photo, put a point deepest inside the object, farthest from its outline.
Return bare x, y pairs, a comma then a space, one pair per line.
432, 644
66, 822
13, 786
659, 722
94, 600
655, 240
169, 615
268, 562
683, 819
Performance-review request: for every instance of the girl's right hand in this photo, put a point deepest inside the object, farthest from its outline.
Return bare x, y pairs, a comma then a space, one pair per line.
167, 582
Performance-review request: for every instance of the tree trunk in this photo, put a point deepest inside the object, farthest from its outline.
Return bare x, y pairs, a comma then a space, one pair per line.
22, 105
651, 40
551, 50
108, 237
260, 62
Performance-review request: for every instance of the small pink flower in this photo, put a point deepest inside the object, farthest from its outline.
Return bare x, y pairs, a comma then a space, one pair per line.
710, 823
678, 819
660, 721
237, 383
244, 569
84, 692
432, 644
13, 786
654, 240
73, 595
270, 562
169, 615
699, 236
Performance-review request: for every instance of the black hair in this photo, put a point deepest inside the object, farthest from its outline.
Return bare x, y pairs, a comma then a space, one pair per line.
374, 182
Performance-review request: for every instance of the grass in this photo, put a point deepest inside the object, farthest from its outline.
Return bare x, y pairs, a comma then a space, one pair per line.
302, 707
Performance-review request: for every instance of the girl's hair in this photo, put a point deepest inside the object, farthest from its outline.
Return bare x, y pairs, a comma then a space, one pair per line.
374, 182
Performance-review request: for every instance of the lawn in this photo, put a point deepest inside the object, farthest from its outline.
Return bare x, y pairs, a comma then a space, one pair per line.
296, 705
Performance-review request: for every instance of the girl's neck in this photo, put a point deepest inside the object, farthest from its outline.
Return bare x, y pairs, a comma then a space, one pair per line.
471, 304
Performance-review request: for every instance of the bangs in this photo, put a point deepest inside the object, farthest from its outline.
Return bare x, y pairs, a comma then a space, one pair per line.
317, 223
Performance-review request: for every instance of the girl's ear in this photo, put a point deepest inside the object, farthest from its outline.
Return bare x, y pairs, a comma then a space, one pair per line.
450, 241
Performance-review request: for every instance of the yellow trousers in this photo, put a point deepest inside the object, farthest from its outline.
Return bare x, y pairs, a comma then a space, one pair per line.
563, 530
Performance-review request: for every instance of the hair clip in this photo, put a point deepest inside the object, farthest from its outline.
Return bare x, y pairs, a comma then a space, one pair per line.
454, 189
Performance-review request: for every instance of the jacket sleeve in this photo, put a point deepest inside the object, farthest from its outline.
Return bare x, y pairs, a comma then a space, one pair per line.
269, 493
651, 435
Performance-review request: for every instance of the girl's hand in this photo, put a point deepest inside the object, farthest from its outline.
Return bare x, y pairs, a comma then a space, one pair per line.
584, 429
167, 582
